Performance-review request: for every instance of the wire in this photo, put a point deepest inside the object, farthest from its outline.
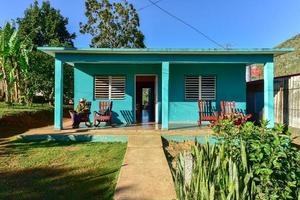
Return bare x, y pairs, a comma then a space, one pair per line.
187, 24
149, 5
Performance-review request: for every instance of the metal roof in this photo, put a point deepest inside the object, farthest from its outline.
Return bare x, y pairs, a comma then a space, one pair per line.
173, 51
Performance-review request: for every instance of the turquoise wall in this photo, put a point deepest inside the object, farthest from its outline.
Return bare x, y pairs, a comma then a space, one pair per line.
231, 86
123, 110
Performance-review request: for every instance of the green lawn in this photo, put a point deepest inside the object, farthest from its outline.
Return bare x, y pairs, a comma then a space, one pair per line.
64, 170
15, 109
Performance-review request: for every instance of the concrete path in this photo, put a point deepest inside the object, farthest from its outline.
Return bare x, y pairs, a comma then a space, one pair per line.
145, 173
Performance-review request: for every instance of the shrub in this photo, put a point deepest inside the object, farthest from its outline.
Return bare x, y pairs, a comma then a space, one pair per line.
238, 119
248, 162
271, 155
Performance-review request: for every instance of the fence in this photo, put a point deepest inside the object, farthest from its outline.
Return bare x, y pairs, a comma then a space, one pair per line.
286, 99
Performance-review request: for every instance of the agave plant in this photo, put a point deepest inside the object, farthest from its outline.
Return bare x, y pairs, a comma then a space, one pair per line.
214, 175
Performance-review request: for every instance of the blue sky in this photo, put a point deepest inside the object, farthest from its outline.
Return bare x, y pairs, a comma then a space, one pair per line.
240, 23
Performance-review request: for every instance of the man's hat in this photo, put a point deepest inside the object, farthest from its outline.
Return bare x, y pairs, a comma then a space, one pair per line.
82, 100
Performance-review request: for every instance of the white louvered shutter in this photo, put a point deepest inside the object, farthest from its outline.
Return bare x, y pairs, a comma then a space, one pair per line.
117, 87
102, 87
192, 87
109, 87
200, 87
208, 88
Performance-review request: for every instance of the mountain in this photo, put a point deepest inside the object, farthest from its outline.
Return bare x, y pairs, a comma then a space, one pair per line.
288, 63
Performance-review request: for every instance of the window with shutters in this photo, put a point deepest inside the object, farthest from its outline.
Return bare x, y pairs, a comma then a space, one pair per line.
109, 87
200, 87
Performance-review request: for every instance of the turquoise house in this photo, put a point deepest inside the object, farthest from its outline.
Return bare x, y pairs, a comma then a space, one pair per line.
165, 82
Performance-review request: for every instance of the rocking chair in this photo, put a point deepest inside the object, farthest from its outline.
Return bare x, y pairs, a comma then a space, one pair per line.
227, 107
85, 117
228, 110
206, 112
104, 114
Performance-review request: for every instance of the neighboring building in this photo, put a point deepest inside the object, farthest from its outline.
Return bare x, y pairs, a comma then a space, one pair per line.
286, 99
174, 78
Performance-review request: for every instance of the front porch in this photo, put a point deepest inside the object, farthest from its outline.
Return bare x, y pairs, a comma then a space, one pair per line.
175, 107
137, 129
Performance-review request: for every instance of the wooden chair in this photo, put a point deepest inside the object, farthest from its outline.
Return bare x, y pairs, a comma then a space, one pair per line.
227, 107
104, 114
85, 117
206, 112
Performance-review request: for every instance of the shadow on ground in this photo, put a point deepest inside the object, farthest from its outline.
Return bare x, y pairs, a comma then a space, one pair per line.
19, 146
49, 175
54, 183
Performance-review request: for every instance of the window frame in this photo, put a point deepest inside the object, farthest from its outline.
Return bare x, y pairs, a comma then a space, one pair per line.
200, 87
110, 78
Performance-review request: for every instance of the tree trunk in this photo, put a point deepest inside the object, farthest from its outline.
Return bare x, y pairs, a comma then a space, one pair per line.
6, 86
8, 96
7, 93
51, 97
16, 94
28, 95
18, 91
17, 81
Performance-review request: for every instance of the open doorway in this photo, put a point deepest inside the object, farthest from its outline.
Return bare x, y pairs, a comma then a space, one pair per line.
145, 98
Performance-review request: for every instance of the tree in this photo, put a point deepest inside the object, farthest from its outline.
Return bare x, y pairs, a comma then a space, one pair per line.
45, 26
14, 57
6, 69
113, 25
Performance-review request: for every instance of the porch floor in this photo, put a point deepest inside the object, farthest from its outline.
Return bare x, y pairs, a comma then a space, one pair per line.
135, 129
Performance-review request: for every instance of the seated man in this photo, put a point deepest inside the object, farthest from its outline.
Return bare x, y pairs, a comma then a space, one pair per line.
80, 111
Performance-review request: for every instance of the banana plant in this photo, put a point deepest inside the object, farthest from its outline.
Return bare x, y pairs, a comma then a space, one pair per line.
6, 69
14, 59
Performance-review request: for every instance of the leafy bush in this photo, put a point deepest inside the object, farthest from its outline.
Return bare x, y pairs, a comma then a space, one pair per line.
271, 155
238, 119
214, 174
248, 162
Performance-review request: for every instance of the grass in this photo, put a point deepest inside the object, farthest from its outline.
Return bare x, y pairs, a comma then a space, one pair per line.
15, 109
64, 170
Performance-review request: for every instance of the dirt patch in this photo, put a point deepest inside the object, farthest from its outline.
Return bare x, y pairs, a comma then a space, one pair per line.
17, 124
72, 148
173, 149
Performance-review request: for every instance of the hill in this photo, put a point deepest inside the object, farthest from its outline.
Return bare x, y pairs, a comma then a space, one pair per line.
288, 63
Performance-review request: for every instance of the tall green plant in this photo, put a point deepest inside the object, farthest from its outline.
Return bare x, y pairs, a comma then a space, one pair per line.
271, 155
14, 57
215, 175
6, 70
46, 26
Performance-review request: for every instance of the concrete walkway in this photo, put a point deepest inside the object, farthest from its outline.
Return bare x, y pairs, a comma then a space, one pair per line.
145, 173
